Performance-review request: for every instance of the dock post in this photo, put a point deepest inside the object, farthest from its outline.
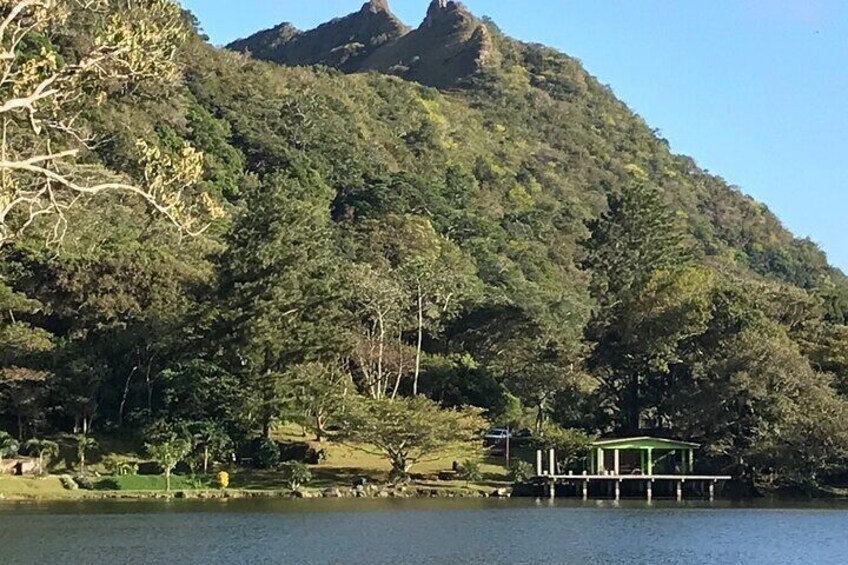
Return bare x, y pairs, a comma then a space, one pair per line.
552, 492
679, 491
586, 489
538, 462
712, 491
618, 490
552, 462
650, 490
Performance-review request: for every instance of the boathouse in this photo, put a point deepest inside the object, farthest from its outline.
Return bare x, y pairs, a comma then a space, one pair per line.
631, 467
642, 456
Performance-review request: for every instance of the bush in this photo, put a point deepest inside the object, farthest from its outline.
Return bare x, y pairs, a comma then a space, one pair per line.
571, 445
267, 454
520, 471
84, 482
120, 466
471, 471
297, 474
68, 482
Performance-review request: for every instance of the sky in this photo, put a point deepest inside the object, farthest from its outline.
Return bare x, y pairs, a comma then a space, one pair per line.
756, 91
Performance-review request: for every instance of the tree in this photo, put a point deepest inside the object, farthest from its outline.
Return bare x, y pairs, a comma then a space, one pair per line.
47, 91
434, 273
379, 305
319, 393
44, 450
8, 446
570, 446
212, 440
167, 455
649, 298
407, 431
279, 296
84, 443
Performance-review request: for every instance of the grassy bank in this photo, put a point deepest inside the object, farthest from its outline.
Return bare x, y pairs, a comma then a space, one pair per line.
336, 473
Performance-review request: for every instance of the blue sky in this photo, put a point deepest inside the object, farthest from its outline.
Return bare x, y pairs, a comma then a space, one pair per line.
755, 90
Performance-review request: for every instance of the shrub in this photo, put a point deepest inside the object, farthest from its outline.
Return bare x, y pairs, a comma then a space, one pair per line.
471, 471
68, 482
267, 454
84, 482
297, 474
520, 471
120, 466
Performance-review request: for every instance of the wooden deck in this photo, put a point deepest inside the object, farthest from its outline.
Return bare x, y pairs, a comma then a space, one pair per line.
611, 485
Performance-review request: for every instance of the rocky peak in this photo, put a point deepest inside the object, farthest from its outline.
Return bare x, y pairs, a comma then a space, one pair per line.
446, 9
375, 7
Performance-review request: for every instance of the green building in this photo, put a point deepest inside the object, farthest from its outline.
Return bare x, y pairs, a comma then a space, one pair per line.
642, 456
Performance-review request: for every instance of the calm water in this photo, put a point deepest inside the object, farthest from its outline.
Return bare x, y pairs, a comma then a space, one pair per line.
406, 531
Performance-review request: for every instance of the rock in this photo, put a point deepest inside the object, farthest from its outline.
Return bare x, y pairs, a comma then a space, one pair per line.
500, 493
180, 494
383, 494
301, 494
332, 493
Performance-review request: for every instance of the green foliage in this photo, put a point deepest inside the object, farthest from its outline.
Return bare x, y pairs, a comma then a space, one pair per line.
44, 449
267, 454
471, 471
409, 430
297, 474
523, 244
120, 466
520, 470
167, 454
571, 446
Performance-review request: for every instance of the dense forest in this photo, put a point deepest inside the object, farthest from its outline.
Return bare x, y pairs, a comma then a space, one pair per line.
207, 239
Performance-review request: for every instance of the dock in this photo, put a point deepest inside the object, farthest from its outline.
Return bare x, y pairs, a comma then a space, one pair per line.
616, 471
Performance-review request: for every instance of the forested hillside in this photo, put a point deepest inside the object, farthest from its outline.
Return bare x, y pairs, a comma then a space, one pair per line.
441, 211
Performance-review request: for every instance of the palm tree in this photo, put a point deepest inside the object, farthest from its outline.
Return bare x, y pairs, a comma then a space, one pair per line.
84, 443
44, 449
8, 446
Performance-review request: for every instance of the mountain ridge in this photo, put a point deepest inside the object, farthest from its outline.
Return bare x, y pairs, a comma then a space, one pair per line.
448, 46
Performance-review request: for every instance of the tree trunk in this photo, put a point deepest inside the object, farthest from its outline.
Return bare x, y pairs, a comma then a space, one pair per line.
167, 479
420, 340
633, 410
319, 429
381, 339
124, 397
205, 459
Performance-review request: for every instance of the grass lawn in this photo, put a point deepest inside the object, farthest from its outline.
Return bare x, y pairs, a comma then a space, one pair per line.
29, 487
342, 464
150, 483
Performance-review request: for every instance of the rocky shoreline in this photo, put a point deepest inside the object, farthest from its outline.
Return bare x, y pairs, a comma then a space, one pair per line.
367, 491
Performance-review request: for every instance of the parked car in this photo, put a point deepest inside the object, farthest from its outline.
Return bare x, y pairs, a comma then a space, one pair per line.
496, 436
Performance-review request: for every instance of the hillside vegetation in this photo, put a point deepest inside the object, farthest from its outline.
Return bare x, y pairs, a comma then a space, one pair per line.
441, 211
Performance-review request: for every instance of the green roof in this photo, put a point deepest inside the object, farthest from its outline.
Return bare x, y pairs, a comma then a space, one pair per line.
644, 442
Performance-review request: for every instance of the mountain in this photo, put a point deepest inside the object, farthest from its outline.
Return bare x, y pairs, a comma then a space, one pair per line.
576, 124
444, 210
449, 45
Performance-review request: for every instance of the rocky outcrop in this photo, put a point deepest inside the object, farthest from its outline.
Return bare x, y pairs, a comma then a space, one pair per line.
450, 44
341, 43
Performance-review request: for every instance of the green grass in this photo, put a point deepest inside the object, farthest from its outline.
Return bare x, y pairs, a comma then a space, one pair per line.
343, 463
148, 483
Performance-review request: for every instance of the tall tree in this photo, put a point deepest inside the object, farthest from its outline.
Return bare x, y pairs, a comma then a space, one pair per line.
648, 299
279, 295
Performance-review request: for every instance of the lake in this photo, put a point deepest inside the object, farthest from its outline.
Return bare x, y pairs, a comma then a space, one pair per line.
421, 531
